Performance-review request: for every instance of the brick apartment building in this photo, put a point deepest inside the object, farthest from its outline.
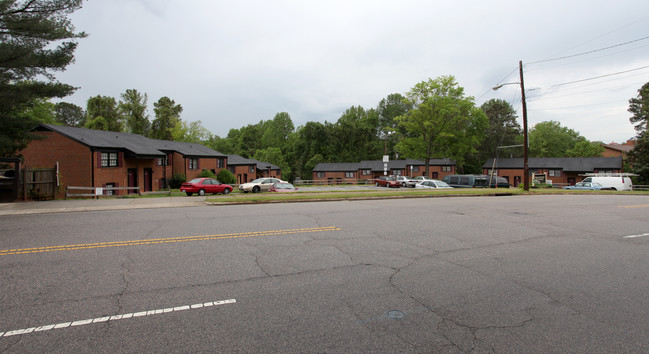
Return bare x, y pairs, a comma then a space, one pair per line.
371, 169
568, 170
96, 158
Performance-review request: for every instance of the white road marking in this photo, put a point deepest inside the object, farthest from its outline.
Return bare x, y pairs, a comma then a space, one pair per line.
113, 318
634, 236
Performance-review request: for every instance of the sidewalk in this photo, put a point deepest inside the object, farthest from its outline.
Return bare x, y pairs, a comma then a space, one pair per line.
63, 206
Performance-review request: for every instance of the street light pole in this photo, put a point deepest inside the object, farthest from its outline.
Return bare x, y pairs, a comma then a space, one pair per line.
526, 170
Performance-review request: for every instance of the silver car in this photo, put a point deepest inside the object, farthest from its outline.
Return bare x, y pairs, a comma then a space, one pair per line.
260, 184
433, 184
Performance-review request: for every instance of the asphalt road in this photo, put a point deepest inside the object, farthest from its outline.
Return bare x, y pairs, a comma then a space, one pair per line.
517, 274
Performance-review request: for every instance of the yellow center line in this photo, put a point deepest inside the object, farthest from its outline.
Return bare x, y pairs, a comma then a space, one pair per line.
165, 240
634, 206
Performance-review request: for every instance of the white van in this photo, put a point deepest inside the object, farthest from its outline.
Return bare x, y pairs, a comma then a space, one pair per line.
618, 183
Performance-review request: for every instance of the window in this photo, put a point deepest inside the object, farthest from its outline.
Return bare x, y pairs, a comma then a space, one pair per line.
231, 169
108, 159
554, 173
396, 172
162, 161
447, 168
319, 174
251, 169
193, 164
349, 174
220, 163
366, 172
109, 191
414, 168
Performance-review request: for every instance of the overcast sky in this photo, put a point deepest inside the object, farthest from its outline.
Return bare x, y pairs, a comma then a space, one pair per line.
234, 63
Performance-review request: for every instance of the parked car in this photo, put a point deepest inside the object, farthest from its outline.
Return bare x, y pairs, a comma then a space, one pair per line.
406, 181
387, 181
433, 184
203, 186
616, 183
467, 181
588, 186
282, 187
499, 182
260, 184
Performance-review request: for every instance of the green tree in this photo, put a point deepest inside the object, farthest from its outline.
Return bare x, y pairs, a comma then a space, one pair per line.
389, 108
36, 39
69, 114
277, 131
639, 106
167, 114
354, 136
106, 108
503, 128
193, 132
639, 156
40, 111
132, 107
550, 139
275, 156
442, 123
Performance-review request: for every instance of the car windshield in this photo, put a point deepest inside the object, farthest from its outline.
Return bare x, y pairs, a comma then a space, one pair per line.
441, 184
283, 186
195, 180
258, 180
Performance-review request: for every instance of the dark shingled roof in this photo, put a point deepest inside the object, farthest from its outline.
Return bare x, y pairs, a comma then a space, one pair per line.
138, 145
567, 164
236, 160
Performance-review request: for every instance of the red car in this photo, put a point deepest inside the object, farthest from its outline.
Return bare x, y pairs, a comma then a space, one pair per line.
205, 185
387, 181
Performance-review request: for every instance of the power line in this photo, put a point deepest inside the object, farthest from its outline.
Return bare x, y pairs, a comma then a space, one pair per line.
599, 77
588, 52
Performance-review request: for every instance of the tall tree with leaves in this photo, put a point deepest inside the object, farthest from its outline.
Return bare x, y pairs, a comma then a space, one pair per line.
132, 107
550, 139
36, 39
167, 116
639, 156
103, 114
277, 132
69, 114
442, 123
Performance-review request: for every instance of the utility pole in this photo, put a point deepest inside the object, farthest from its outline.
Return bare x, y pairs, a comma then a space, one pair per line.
526, 169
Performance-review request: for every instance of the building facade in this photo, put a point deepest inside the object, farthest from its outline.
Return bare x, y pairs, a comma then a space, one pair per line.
95, 158
568, 170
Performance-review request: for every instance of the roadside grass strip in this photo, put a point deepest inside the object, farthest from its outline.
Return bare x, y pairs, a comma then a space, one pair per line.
164, 240
114, 318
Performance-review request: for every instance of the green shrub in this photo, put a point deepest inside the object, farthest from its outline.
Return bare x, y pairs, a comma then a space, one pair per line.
226, 177
177, 180
206, 174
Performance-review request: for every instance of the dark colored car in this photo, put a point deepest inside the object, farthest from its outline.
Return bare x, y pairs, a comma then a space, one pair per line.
467, 181
387, 181
203, 186
499, 182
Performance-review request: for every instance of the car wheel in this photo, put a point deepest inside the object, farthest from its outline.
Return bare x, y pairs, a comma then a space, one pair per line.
226, 191
613, 188
255, 189
189, 194
403, 184
201, 192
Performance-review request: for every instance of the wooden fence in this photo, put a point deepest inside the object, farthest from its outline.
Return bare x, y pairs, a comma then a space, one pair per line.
39, 183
